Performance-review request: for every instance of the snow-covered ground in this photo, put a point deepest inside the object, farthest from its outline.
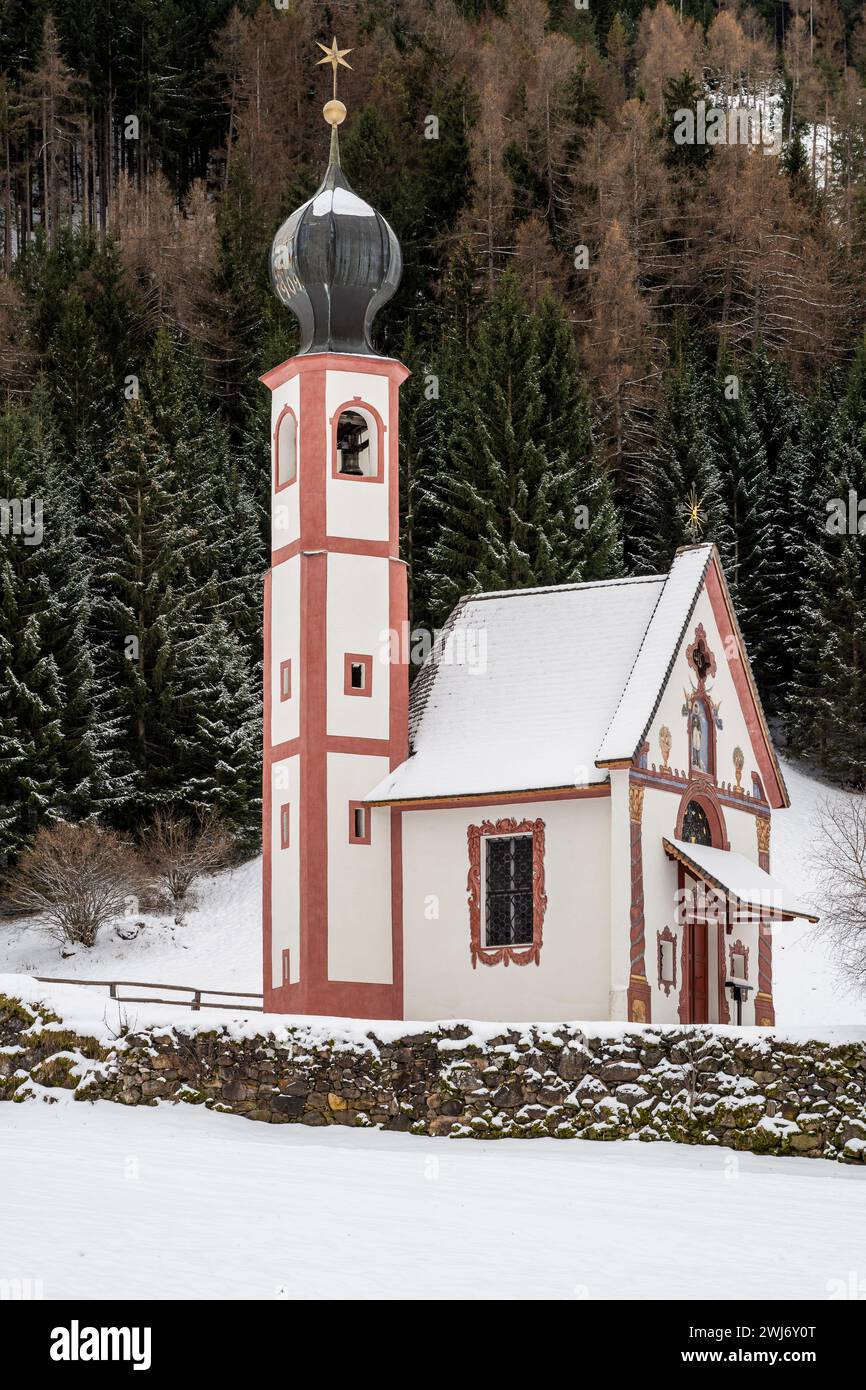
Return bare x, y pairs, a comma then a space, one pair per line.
219, 946
807, 986
97, 1201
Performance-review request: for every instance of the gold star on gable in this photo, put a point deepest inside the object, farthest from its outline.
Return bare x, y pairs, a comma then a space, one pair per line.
696, 517
336, 56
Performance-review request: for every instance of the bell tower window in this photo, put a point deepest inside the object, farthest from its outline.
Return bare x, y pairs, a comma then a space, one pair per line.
355, 445
357, 442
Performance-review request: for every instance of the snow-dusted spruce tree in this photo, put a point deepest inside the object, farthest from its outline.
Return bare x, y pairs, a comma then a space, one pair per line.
741, 462
839, 861
515, 466
76, 878
778, 414
227, 555
54, 741
827, 712
177, 851
178, 677
679, 499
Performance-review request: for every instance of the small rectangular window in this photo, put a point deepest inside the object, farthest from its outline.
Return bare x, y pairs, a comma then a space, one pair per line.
508, 895
284, 826
359, 823
358, 674
738, 966
666, 962
285, 680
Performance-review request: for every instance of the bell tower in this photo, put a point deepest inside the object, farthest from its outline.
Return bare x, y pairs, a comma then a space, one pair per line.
335, 685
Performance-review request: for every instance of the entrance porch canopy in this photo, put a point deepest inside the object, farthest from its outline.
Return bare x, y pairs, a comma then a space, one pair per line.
748, 888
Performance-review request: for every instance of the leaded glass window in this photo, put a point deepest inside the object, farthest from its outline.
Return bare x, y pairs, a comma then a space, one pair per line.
508, 895
696, 827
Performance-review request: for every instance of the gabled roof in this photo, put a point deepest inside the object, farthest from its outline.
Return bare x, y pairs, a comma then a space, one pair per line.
519, 691
543, 689
659, 647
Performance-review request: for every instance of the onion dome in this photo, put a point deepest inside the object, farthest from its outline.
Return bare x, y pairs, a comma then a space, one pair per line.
335, 261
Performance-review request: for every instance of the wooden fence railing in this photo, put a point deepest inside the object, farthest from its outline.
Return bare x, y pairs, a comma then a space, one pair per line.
194, 1003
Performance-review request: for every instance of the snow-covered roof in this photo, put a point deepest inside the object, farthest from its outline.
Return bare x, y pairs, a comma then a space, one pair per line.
661, 641
739, 878
520, 690
544, 689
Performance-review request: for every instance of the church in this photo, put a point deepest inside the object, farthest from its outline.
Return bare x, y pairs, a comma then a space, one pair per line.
568, 814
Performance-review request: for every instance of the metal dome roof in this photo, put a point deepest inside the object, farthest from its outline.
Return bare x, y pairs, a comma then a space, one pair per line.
334, 262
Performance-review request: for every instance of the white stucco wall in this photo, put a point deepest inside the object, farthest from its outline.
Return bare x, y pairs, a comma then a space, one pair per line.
572, 979
619, 881
358, 622
359, 876
354, 508
285, 646
284, 871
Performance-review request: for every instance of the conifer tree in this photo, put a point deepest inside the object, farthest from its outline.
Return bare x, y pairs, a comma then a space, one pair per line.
827, 712
178, 679
679, 500
744, 492
513, 466
424, 400
54, 739
776, 411
227, 556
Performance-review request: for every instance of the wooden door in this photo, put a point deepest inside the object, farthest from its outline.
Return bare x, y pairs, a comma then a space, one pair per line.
699, 969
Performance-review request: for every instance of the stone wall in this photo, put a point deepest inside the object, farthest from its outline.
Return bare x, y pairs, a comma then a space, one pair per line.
693, 1085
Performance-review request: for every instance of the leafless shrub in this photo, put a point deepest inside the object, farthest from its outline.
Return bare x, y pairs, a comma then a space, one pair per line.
77, 878
839, 861
178, 851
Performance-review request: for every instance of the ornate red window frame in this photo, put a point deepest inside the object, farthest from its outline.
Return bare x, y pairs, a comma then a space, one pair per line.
661, 937
705, 795
703, 662
505, 955
738, 949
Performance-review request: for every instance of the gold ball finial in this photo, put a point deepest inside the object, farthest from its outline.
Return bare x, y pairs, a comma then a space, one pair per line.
334, 112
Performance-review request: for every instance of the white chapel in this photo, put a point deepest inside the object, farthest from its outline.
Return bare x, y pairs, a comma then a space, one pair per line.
568, 815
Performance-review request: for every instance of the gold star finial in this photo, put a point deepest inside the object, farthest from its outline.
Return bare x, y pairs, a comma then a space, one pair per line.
336, 56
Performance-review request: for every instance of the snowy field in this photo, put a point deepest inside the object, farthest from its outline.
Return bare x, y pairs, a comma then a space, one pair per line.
97, 1201
219, 947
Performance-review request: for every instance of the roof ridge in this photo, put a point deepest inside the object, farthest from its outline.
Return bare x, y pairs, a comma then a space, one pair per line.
683, 550
565, 588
